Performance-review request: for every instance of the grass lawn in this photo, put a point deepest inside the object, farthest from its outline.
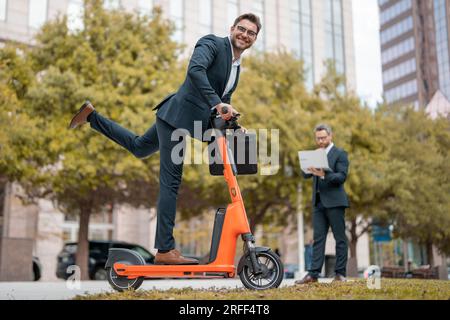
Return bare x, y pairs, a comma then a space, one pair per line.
391, 289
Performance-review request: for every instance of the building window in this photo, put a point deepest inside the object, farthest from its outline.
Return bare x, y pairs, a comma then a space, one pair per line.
259, 10
394, 11
334, 34
2, 10
232, 11
37, 13
205, 16
402, 91
396, 30
398, 50
442, 46
111, 4
3, 186
296, 27
145, 7
399, 71
176, 12
75, 12
302, 41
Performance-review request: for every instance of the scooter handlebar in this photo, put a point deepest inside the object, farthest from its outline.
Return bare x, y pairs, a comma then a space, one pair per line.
222, 124
234, 116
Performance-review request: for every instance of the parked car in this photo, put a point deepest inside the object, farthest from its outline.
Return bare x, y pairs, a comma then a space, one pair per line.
37, 268
98, 254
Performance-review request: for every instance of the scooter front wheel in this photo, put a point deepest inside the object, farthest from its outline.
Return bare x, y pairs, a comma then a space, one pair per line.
271, 275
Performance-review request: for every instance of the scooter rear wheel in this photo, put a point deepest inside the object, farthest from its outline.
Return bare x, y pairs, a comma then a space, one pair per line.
272, 272
120, 283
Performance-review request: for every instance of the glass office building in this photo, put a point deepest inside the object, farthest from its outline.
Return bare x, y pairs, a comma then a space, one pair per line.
414, 37
313, 30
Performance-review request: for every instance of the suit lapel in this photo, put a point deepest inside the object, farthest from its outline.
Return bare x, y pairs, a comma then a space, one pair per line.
235, 80
331, 156
229, 58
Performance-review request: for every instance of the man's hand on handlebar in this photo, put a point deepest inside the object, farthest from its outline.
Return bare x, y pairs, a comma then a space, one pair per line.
226, 111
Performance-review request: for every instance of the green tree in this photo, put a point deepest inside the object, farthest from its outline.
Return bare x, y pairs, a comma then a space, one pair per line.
20, 158
420, 205
124, 64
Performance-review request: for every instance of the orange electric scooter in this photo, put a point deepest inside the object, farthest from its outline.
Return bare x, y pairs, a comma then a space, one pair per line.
259, 268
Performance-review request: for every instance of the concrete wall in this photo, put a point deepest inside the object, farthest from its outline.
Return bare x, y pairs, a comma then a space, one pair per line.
16, 259
135, 225
16, 243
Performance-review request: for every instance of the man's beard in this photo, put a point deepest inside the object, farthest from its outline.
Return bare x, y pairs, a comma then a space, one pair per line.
237, 45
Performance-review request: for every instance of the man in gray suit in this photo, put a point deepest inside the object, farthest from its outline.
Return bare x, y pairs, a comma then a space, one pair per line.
329, 202
212, 77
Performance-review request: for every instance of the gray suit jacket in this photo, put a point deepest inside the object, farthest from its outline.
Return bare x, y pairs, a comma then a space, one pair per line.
206, 79
332, 192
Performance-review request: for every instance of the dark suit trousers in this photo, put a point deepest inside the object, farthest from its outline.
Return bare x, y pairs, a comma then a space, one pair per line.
157, 137
323, 218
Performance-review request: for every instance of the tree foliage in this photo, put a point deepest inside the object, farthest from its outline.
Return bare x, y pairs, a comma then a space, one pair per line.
124, 64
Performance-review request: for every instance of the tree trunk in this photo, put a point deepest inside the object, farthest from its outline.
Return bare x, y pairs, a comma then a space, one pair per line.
430, 256
254, 221
406, 255
82, 256
252, 224
352, 264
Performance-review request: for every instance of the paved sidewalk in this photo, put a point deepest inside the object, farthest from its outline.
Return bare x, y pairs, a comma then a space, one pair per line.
60, 291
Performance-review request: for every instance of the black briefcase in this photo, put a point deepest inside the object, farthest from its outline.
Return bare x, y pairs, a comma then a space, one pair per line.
244, 150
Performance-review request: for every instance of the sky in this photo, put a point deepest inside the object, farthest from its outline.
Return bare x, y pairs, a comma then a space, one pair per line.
367, 51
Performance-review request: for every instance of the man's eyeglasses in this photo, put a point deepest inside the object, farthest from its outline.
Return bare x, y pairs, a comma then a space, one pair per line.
250, 33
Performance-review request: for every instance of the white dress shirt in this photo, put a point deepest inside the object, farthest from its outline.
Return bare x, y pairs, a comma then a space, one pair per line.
327, 150
233, 73
329, 147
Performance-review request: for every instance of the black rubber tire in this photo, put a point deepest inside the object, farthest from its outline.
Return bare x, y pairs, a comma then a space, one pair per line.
122, 284
119, 283
100, 274
273, 276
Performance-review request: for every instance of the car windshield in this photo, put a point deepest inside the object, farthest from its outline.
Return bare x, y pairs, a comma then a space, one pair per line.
144, 253
70, 248
98, 246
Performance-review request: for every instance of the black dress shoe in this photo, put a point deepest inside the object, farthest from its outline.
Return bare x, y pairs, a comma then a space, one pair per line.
307, 279
340, 277
81, 117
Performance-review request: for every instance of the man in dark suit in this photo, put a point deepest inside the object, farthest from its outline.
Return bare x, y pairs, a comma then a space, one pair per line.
212, 77
329, 202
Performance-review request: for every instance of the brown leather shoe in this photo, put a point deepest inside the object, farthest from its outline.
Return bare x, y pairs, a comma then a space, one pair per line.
173, 257
307, 279
340, 277
82, 114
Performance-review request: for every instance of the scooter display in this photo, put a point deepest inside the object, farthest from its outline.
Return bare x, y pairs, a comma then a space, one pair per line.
259, 268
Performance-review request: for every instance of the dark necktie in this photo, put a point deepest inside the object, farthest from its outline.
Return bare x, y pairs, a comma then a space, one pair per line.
317, 184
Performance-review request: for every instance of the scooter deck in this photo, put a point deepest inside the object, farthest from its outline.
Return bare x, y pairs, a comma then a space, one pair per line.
175, 271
